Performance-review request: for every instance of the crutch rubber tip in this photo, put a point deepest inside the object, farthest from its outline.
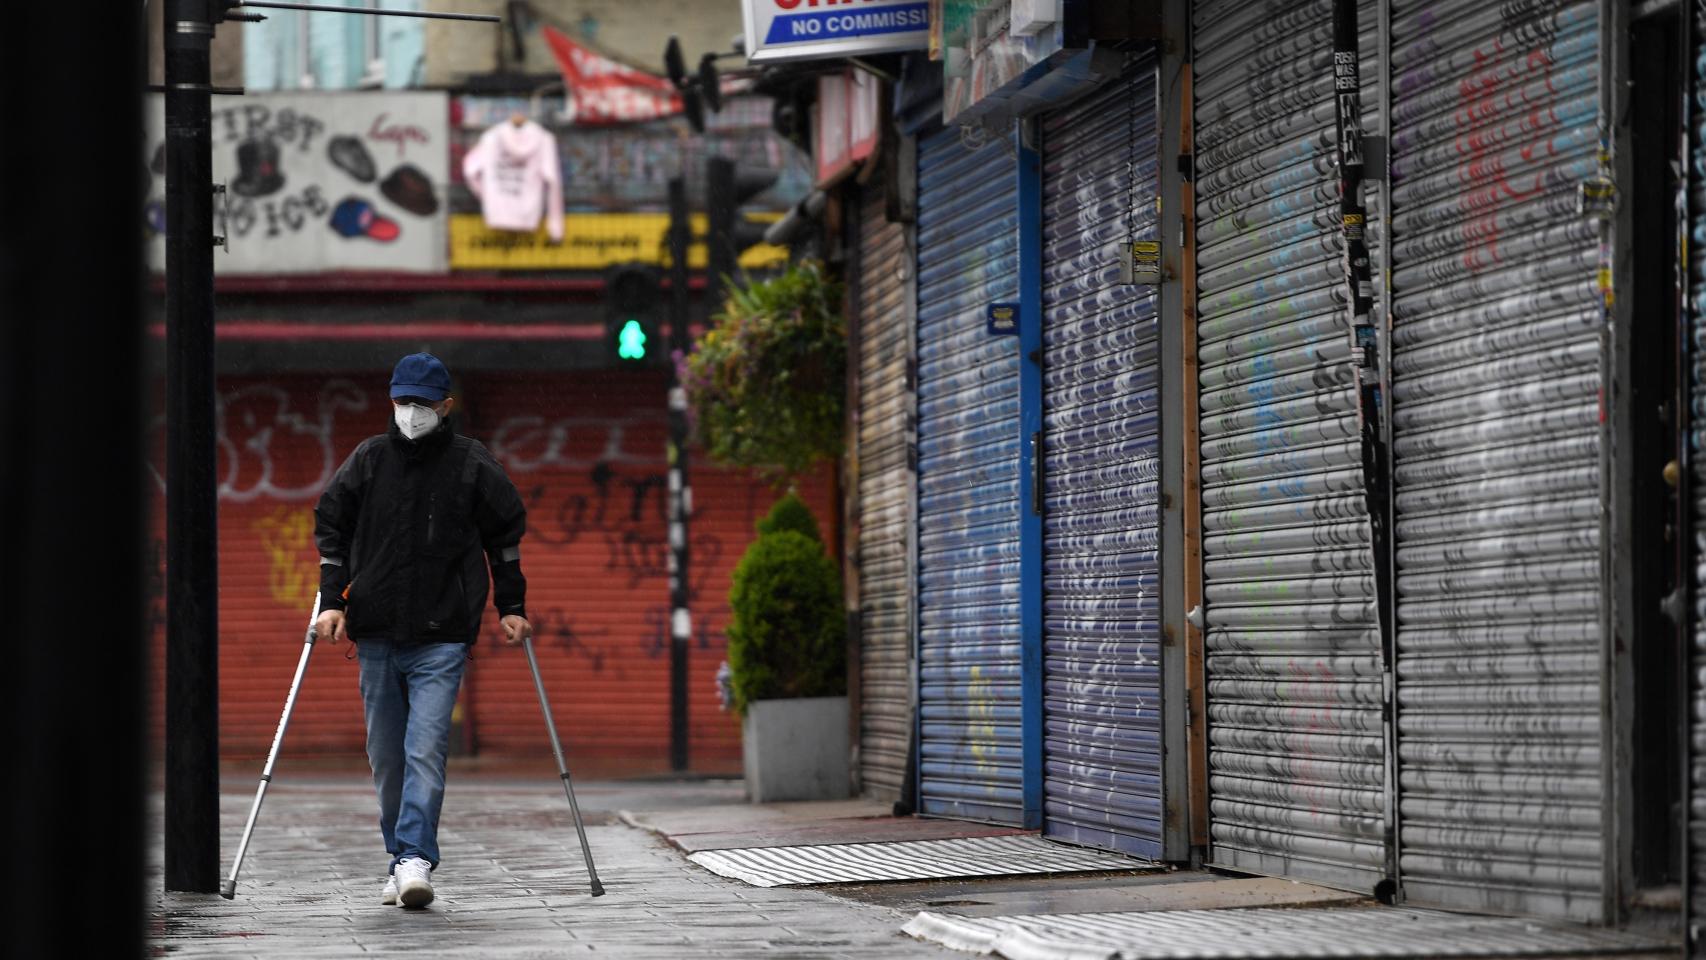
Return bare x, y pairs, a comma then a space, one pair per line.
597, 889
228, 889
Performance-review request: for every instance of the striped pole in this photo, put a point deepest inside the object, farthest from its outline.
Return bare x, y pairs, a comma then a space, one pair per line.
680, 493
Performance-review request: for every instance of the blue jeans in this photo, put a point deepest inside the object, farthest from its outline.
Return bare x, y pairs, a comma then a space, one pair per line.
407, 694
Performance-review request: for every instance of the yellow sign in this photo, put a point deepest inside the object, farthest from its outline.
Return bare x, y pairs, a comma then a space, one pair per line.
591, 241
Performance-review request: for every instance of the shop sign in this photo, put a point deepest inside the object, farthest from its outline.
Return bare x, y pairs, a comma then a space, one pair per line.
848, 104
591, 241
318, 182
819, 29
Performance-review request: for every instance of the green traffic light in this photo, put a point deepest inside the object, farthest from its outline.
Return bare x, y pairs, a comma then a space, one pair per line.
631, 341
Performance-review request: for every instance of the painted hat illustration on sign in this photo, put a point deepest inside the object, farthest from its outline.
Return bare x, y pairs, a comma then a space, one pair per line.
355, 217
349, 155
409, 188
257, 169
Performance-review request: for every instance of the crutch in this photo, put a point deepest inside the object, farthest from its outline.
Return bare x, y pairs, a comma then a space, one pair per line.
562, 768
228, 889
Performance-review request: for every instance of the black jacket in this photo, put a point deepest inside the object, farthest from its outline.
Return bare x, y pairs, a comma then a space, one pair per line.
405, 530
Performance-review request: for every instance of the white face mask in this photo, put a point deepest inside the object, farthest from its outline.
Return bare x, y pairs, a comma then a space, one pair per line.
415, 420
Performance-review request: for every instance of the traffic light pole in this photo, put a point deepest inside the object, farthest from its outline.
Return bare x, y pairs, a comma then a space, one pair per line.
720, 203
680, 492
191, 835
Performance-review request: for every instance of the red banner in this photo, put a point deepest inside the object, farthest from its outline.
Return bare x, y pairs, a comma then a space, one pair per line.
602, 91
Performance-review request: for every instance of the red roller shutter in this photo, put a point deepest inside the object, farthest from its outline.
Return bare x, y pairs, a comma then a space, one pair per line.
586, 452
280, 439
586, 449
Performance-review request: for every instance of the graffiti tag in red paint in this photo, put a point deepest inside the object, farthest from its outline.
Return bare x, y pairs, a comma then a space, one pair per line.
401, 134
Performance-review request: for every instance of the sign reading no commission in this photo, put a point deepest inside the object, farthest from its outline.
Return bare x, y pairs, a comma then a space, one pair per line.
814, 29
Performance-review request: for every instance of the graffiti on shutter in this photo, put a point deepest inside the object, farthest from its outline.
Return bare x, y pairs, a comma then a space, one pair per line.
1295, 675
968, 482
1496, 409
1102, 651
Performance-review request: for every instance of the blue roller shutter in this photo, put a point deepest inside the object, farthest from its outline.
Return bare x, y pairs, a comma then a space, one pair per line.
968, 483
1496, 419
1297, 756
1102, 652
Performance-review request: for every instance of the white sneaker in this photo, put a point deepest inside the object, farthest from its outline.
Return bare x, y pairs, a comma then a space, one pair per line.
389, 897
414, 884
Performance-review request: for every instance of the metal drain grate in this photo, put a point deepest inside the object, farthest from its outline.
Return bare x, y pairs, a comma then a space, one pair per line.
1269, 934
908, 860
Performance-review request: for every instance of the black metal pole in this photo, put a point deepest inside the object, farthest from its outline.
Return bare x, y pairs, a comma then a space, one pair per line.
680, 493
192, 564
1365, 350
721, 260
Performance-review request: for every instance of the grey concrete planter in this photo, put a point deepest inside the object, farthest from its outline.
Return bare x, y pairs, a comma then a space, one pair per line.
796, 749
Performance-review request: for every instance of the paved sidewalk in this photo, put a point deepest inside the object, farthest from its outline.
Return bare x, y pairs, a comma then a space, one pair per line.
512, 885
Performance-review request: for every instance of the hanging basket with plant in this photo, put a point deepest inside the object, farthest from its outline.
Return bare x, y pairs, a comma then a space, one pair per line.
765, 385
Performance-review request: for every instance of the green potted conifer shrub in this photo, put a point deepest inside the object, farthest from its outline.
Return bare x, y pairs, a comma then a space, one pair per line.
788, 661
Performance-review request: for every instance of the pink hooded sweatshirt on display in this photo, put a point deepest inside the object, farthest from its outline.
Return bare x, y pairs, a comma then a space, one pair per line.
513, 170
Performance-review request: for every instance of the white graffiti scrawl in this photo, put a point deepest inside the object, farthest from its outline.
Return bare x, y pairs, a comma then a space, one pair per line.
527, 443
258, 427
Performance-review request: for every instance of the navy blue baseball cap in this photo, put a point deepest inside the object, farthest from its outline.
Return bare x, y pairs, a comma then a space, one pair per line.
420, 375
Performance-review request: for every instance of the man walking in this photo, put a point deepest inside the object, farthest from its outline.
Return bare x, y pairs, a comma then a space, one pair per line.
406, 529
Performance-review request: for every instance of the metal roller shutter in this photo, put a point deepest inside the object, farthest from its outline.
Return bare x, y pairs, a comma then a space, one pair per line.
886, 410
1101, 640
1496, 455
588, 457
1295, 676
280, 439
586, 450
968, 483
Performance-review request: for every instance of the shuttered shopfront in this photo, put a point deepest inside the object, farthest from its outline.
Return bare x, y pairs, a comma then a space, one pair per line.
1102, 678
885, 497
1295, 691
280, 439
1496, 451
968, 483
1297, 751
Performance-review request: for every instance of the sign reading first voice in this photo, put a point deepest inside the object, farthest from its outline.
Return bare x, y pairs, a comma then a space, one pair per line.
817, 29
